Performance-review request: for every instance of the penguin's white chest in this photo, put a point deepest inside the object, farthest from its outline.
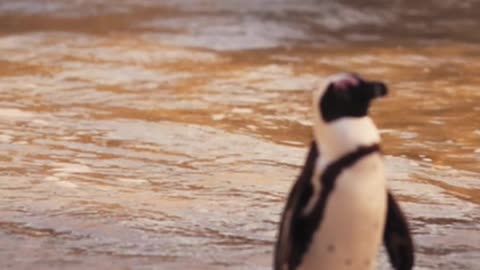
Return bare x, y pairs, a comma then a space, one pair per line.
351, 230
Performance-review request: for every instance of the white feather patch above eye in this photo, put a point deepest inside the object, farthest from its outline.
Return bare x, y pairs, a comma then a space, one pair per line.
341, 80
347, 82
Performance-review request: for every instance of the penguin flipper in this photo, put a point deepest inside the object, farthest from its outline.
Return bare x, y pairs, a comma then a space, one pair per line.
283, 246
284, 253
397, 238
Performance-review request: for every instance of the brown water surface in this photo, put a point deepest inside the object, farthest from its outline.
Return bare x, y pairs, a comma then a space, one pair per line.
140, 135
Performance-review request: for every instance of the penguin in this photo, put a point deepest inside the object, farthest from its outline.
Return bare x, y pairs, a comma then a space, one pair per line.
340, 210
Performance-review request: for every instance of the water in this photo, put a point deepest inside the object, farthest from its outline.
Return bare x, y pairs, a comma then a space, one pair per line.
140, 135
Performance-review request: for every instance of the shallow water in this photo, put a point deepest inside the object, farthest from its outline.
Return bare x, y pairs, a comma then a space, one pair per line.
165, 136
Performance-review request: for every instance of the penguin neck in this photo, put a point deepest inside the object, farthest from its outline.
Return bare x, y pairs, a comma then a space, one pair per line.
342, 136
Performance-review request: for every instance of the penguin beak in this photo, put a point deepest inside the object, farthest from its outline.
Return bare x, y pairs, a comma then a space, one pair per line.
377, 89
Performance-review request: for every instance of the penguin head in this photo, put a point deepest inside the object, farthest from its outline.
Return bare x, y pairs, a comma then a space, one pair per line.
346, 95
341, 121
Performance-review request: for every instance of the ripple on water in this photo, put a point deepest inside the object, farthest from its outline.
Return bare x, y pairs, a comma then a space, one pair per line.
170, 137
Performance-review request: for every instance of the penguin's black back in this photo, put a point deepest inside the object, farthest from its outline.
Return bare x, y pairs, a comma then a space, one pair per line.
298, 199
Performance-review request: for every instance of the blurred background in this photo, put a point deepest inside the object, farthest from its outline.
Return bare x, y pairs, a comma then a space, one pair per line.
141, 134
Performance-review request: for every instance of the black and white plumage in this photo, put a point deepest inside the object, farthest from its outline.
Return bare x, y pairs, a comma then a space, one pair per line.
339, 209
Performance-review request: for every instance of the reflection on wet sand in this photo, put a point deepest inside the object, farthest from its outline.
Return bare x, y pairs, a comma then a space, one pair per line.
146, 135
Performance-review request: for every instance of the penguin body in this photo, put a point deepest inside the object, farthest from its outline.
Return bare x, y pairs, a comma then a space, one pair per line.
351, 228
336, 213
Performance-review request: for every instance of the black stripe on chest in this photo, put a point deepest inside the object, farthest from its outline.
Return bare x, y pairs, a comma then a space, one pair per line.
303, 227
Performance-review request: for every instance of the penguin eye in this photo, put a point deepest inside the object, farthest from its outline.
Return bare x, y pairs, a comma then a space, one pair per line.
340, 93
349, 96
343, 100
343, 94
